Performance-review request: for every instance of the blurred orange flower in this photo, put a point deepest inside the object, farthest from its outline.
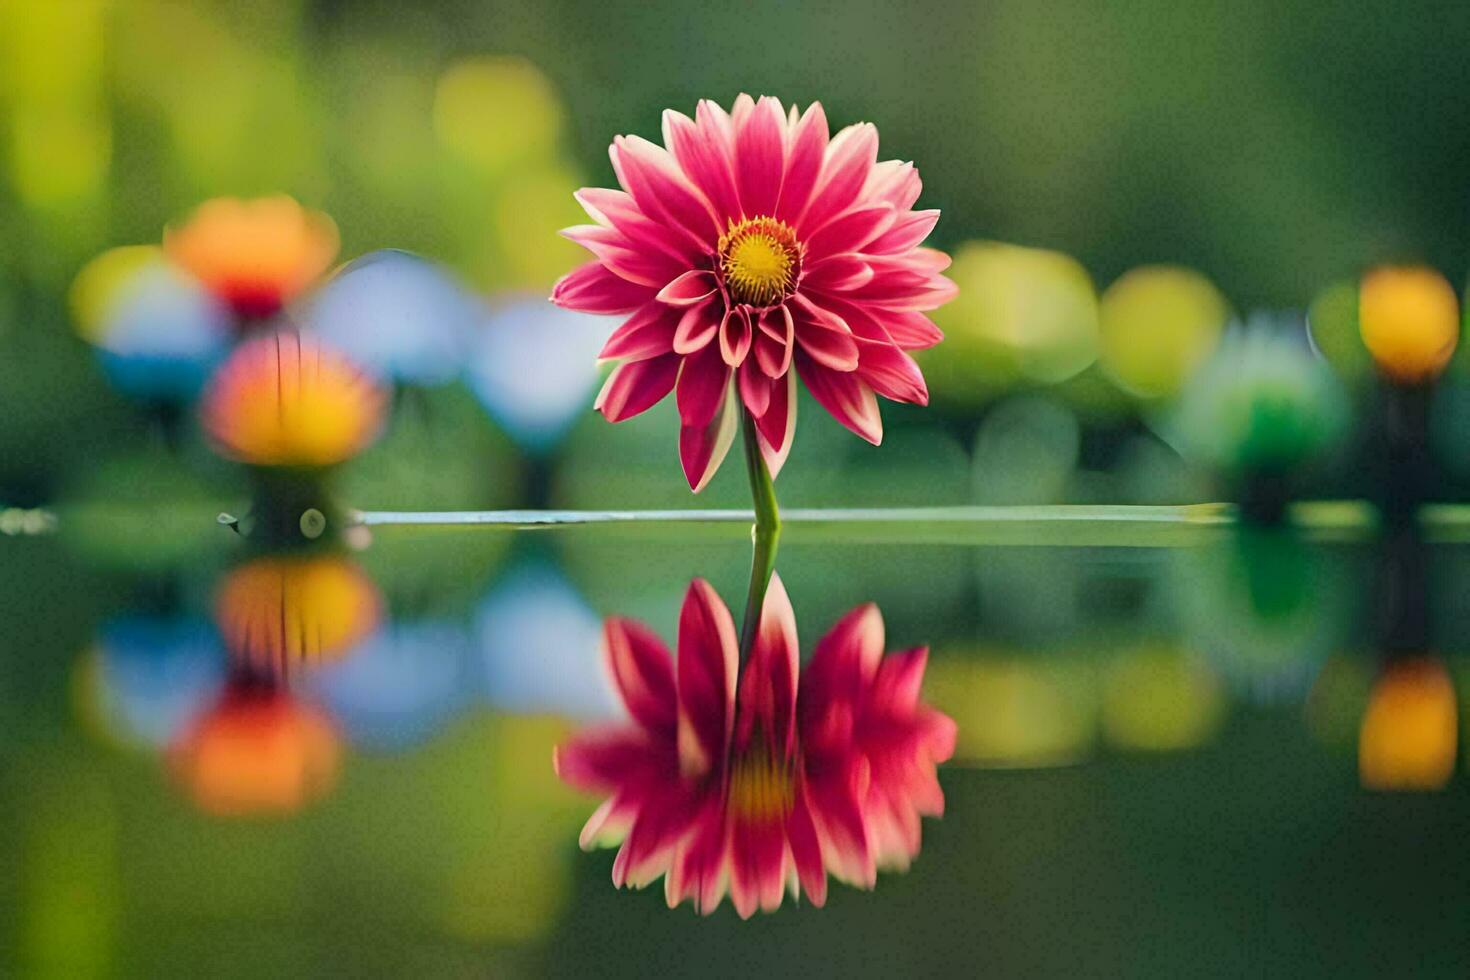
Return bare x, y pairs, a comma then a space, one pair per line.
256, 255
257, 752
289, 400
1407, 739
1409, 317
284, 612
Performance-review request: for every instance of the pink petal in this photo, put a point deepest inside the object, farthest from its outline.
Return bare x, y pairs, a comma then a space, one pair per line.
699, 869
806, 851
617, 209
703, 448
774, 341
776, 428
636, 386
610, 822
643, 670
891, 373
649, 848
895, 182
845, 168
647, 267
755, 388
768, 689
757, 865
705, 160
803, 163
838, 818
705, 673
701, 387
647, 333
689, 288
824, 337
906, 291
851, 232
661, 190
593, 288
845, 659
847, 398
758, 157
911, 330
599, 760
907, 232
697, 327
837, 274
735, 336
898, 681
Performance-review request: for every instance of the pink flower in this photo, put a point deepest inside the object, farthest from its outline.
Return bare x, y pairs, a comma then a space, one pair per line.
750, 244
774, 788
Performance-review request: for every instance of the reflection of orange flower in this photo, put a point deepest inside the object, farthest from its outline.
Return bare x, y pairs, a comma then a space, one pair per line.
255, 255
1410, 321
281, 613
257, 752
288, 400
1407, 740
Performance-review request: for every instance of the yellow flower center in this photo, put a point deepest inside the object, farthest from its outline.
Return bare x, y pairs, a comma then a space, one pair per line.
759, 259
761, 787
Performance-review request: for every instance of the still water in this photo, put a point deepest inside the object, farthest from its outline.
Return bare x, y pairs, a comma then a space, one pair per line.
1191, 750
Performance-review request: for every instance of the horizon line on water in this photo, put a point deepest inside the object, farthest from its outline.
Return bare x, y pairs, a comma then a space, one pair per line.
1056, 524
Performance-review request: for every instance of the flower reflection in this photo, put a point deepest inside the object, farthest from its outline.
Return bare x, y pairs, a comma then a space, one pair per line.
794, 776
1409, 732
278, 613
255, 255
257, 750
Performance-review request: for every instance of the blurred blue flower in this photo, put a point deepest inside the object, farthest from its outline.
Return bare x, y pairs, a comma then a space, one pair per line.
541, 647
155, 674
401, 685
399, 316
535, 367
163, 334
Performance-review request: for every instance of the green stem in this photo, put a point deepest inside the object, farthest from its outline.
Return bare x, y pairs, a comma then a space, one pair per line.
765, 535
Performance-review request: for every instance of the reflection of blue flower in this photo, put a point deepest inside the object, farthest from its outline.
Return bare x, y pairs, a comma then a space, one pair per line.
399, 316
155, 674
541, 647
535, 368
400, 685
163, 335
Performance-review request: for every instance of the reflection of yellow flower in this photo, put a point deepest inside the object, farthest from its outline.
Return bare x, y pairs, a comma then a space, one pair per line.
257, 752
1410, 321
256, 255
288, 400
280, 613
1407, 739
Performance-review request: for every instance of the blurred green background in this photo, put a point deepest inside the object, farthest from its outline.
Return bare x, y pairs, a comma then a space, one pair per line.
1275, 149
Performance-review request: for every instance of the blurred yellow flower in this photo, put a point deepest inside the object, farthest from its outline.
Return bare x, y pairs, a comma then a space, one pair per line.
288, 400
1158, 324
255, 255
1409, 732
280, 613
1409, 317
